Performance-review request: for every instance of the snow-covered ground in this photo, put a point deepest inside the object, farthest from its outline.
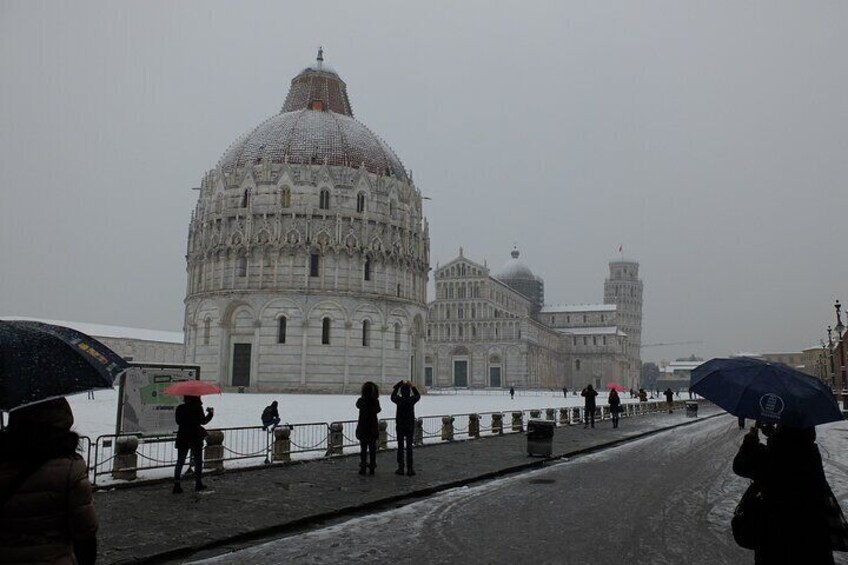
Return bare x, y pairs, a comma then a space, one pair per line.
97, 417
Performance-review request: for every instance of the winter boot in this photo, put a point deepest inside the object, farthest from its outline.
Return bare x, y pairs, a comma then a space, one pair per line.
399, 471
362, 469
177, 489
410, 472
199, 487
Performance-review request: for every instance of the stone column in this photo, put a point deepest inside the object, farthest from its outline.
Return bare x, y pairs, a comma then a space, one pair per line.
497, 424
282, 445
213, 453
474, 425
447, 428
518, 421
126, 458
335, 439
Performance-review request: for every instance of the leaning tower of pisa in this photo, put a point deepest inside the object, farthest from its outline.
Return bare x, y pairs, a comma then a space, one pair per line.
624, 289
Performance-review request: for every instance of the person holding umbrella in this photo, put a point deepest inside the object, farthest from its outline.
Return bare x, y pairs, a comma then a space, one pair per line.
47, 509
615, 406
191, 419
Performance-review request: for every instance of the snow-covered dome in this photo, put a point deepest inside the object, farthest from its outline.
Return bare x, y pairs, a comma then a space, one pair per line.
518, 276
316, 125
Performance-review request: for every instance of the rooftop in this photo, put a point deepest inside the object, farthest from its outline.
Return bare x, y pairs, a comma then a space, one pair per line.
568, 308
100, 330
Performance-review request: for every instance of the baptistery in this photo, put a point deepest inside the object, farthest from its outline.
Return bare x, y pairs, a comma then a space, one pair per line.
308, 253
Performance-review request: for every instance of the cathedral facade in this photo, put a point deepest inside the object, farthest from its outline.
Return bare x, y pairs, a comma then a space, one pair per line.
488, 330
308, 253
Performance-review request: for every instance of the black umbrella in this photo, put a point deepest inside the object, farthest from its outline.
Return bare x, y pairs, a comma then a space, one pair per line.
41, 361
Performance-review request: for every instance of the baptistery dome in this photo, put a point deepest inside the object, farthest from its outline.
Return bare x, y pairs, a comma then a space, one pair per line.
316, 125
308, 253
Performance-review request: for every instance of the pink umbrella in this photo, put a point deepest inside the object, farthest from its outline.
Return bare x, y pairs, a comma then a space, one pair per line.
192, 388
613, 386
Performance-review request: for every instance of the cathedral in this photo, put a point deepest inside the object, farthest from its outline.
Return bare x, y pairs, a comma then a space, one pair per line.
308, 253
488, 330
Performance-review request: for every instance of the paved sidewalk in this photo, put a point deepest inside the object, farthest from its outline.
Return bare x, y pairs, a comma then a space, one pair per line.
149, 524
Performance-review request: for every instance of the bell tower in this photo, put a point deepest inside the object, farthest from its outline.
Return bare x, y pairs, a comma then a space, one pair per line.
624, 289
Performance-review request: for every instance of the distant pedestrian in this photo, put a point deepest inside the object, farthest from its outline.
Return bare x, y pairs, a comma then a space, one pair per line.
270, 416
669, 399
565, 392
589, 406
90, 395
615, 407
190, 434
405, 395
741, 421
798, 509
511, 392
367, 430
47, 509
691, 394
643, 396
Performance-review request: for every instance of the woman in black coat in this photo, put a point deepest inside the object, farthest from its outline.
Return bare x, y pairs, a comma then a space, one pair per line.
615, 407
788, 470
190, 434
367, 430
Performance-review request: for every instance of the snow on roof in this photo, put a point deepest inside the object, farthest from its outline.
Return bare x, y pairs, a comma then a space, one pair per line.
99, 330
557, 308
682, 366
592, 330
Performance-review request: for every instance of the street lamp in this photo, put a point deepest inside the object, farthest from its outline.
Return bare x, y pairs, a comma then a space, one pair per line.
840, 344
830, 354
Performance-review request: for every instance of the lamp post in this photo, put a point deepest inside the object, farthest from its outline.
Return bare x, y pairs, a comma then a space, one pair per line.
840, 344
830, 355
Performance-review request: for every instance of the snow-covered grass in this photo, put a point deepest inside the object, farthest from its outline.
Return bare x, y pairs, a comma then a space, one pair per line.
97, 417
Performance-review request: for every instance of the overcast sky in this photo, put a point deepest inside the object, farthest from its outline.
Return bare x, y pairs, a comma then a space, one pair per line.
710, 139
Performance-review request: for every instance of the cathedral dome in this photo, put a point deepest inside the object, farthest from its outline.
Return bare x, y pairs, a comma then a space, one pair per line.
315, 126
515, 270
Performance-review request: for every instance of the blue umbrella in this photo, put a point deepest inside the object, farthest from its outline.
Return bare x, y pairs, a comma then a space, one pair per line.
766, 392
41, 361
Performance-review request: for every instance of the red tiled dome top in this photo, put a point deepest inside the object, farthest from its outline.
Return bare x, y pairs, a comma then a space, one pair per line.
315, 125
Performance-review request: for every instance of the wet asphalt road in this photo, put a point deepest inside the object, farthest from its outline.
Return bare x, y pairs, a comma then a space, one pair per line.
662, 500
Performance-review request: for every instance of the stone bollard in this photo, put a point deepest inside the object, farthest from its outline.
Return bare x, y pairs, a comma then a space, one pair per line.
473, 425
575, 415
536, 414
383, 427
126, 458
447, 428
497, 424
335, 439
550, 414
418, 435
213, 453
563, 416
518, 421
282, 445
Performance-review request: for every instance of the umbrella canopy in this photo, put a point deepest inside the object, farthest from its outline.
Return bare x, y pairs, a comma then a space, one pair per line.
192, 388
766, 392
41, 361
616, 387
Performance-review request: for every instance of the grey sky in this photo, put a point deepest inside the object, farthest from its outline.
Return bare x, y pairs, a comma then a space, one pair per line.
709, 138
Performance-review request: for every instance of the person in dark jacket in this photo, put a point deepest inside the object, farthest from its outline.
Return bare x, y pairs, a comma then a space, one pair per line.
511, 392
565, 392
405, 395
46, 508
669, 400
190, 434
270, 416
367, 430
615, 407
589, 406
788, 469
643, 396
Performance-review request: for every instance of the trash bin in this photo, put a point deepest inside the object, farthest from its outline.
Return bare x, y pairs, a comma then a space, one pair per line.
540, 437
691, 409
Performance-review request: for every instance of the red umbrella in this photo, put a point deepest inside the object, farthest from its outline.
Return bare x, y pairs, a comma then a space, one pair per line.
617, 387
192, 388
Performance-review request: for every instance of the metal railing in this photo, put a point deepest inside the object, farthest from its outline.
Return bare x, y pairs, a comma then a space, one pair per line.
126, 457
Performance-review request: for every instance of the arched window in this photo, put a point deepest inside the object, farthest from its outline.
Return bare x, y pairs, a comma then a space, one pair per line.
325, 331
397, 335
577, 364
391, 208
245, 198
207, 330
281, 330
367, 269
360, 202
314, 264
324, 203
285, 198
459, 330
241, 267
398, 290
366, 333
